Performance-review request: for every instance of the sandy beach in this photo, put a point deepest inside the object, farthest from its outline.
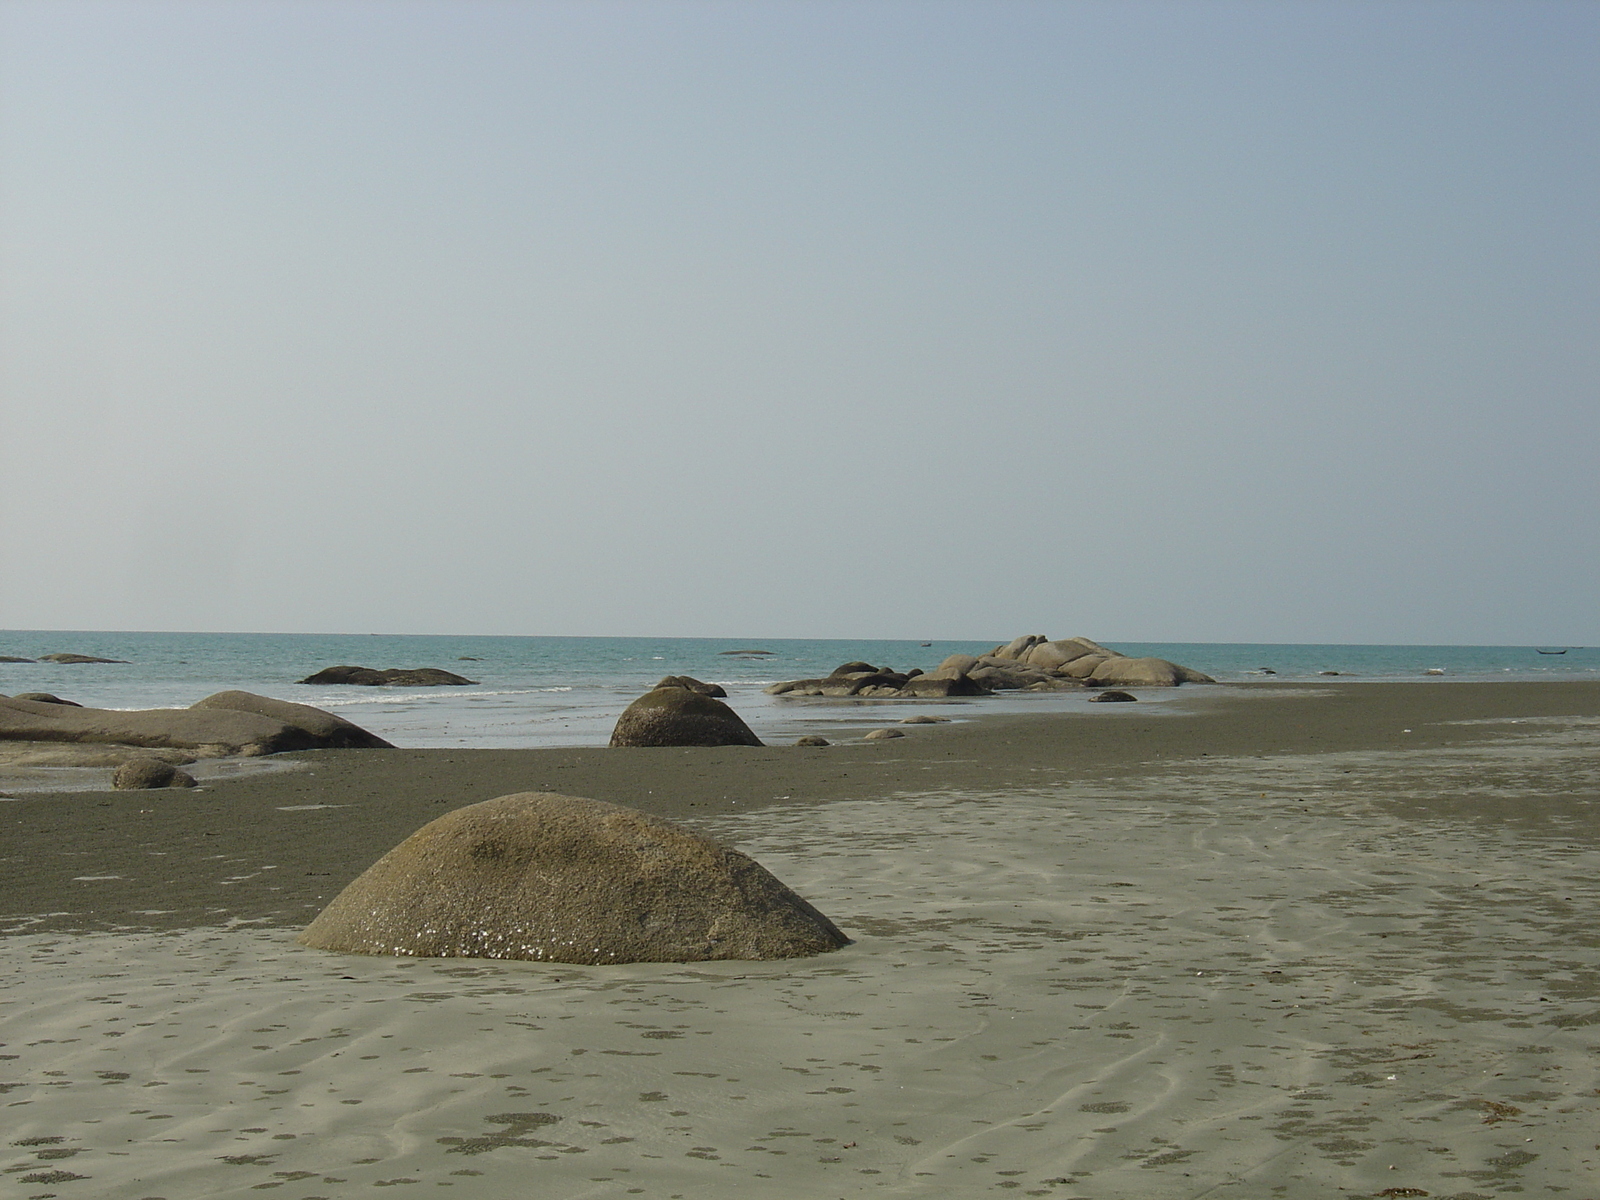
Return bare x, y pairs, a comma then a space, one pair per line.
1256, 941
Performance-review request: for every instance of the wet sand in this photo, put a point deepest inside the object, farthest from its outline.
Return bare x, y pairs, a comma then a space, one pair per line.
1328, 940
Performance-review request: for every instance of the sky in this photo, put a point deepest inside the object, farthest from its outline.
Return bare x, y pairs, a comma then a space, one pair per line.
1198, 321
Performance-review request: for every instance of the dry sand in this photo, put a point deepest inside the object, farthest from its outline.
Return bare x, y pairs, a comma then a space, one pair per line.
1267, 942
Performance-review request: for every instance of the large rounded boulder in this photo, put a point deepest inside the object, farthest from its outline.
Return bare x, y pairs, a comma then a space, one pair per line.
553, 878
678, 716
331, 732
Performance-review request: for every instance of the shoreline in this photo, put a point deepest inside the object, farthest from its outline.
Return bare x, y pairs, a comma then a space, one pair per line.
1269, 945
326, 815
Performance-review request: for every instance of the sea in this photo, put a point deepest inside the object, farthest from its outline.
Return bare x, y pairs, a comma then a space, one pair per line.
568, 691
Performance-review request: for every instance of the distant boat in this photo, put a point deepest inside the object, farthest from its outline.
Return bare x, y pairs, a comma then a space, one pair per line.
930, 643
1552, 651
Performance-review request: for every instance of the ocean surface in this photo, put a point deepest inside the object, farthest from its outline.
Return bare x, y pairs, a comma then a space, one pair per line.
568, 691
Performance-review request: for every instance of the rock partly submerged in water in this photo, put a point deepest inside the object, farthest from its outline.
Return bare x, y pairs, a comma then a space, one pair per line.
78, 658
552, 878
1029, 663
223, 725
388, 677
677, 716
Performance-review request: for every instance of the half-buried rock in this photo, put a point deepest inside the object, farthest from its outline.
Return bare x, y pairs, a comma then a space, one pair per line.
554, 878
679, 716
138, 773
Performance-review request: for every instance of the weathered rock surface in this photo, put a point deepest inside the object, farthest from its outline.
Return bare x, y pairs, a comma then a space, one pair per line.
694, 685
1031, 662
78, 658
138, 773
332, 732
1144, 672
213, 728
676, 716
555, 878
27, 755
388, 677
12, 658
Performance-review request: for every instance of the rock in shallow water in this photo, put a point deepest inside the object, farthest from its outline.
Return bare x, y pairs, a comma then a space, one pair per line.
388, 677
553, 878
677, 716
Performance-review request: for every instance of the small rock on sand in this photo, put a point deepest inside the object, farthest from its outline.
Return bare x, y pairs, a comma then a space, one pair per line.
924, 719
1112, 697
883, 735
812, 739
139, 773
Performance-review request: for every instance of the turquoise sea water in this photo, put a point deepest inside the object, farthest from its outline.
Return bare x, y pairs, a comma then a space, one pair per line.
549, 691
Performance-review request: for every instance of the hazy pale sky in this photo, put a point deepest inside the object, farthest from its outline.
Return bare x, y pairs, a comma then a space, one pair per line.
1200, 321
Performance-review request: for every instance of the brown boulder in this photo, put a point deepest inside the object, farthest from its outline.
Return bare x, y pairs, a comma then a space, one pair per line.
389, 677
210, 732
675, 716
140, 773
1143, 672
694, 685
553, 878
939, 686
332, 732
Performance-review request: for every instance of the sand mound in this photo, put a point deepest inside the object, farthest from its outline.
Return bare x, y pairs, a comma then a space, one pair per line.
564, 879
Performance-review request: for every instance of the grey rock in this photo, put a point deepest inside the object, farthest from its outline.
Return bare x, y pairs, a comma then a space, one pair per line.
552, 878
1113, 697
46, 698
78, 658
676, 716
5, 658
924, 719
883, 735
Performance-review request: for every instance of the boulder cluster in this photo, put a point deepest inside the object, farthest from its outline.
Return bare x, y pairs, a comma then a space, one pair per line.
1030, 663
